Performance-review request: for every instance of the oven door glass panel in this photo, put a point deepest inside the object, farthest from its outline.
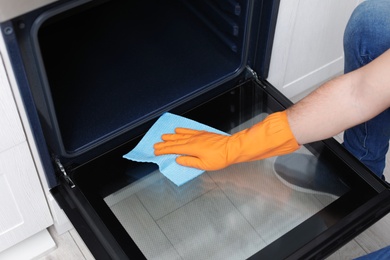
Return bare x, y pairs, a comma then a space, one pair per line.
231, 213
226, 214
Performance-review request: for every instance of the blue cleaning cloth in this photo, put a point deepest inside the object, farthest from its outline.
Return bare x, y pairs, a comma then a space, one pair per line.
144, 151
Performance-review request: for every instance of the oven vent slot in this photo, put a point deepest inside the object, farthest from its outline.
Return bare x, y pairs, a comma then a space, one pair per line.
221, 17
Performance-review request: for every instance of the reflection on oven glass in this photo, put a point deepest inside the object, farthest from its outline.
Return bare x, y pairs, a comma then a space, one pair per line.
226, 214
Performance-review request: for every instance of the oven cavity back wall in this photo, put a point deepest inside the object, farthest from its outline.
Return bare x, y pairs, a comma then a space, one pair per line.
109, 67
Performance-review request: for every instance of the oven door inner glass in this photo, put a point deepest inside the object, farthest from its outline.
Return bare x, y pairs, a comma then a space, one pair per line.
227, 214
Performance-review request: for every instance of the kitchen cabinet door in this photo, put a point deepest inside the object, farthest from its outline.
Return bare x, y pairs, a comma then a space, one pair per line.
11, 131
24, 211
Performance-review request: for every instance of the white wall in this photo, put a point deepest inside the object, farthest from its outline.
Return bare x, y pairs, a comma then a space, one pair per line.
308, 44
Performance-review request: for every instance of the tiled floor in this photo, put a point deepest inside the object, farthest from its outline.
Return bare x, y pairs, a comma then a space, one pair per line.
69, 246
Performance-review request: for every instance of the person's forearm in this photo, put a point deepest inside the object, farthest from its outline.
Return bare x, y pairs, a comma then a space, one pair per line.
342, 102
324, 113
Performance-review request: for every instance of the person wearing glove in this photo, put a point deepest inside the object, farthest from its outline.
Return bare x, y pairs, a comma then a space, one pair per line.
339, 104
210, 151
358, 101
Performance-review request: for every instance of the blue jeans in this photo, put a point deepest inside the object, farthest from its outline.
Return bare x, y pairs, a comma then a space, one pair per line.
381, 254
367, 36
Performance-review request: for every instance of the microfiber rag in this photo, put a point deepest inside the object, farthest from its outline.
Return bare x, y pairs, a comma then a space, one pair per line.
144, 151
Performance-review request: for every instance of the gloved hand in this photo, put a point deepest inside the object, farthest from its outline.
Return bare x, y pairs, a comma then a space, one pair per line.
210, 151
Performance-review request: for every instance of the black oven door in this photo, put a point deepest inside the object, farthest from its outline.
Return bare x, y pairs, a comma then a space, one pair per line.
249, 210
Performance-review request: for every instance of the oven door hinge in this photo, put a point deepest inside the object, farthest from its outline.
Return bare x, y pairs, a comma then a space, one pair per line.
251, 74
65, 175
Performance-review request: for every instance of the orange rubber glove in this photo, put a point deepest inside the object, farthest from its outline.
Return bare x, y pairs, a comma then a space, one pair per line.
210, 151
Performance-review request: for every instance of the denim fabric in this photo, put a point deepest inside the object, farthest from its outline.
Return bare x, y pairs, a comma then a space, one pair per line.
382, 254
367, 36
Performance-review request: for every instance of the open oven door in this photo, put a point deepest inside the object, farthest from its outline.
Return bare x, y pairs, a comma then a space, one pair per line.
96, 75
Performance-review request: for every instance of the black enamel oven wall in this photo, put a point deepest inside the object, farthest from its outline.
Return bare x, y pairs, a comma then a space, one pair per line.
108, 68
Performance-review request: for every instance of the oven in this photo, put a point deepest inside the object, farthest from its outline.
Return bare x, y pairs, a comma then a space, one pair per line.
96, 75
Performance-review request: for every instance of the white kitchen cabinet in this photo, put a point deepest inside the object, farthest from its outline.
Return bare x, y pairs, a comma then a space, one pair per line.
11, 131
24, 211
308, 44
